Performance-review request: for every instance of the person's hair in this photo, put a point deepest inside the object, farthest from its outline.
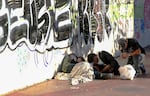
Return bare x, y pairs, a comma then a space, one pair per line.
90, 57
122, 42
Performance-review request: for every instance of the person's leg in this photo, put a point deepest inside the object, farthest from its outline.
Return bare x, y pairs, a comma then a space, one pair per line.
136, 63
115, 66
107, 69
141, 60
130, 60
97, 74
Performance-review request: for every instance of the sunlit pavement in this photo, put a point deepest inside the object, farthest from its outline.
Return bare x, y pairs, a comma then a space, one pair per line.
140, 86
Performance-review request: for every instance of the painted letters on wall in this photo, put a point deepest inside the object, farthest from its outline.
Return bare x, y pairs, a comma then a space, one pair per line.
36, 34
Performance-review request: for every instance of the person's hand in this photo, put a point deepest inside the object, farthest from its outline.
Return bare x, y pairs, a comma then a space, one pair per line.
124, 55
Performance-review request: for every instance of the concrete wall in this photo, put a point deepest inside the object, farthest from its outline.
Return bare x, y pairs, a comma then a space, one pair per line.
29, 27
142, 21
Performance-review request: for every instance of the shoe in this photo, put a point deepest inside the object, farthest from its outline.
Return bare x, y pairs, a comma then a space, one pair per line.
137, 74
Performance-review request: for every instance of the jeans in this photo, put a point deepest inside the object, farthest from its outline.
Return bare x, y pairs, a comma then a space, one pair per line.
137, 62
97, 74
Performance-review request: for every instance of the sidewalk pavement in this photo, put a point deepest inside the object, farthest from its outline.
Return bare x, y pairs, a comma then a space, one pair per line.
140, 86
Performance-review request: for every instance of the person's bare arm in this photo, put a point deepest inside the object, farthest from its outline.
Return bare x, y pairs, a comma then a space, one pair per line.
136, 52
106, 68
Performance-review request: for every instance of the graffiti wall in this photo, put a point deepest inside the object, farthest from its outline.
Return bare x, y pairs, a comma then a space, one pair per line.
142, 21
116, 18
35, 35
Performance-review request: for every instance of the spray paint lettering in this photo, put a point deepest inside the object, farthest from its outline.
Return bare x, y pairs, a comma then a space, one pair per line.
42, 24
32, 22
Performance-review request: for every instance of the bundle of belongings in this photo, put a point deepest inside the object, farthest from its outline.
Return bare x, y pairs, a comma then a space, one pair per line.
127, 72
81, 73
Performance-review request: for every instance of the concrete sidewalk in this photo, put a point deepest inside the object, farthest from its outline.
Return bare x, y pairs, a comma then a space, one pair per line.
137, 87
140, 86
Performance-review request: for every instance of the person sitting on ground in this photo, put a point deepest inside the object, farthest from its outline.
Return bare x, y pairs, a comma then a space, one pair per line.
100, 71
111, 63
135, 53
